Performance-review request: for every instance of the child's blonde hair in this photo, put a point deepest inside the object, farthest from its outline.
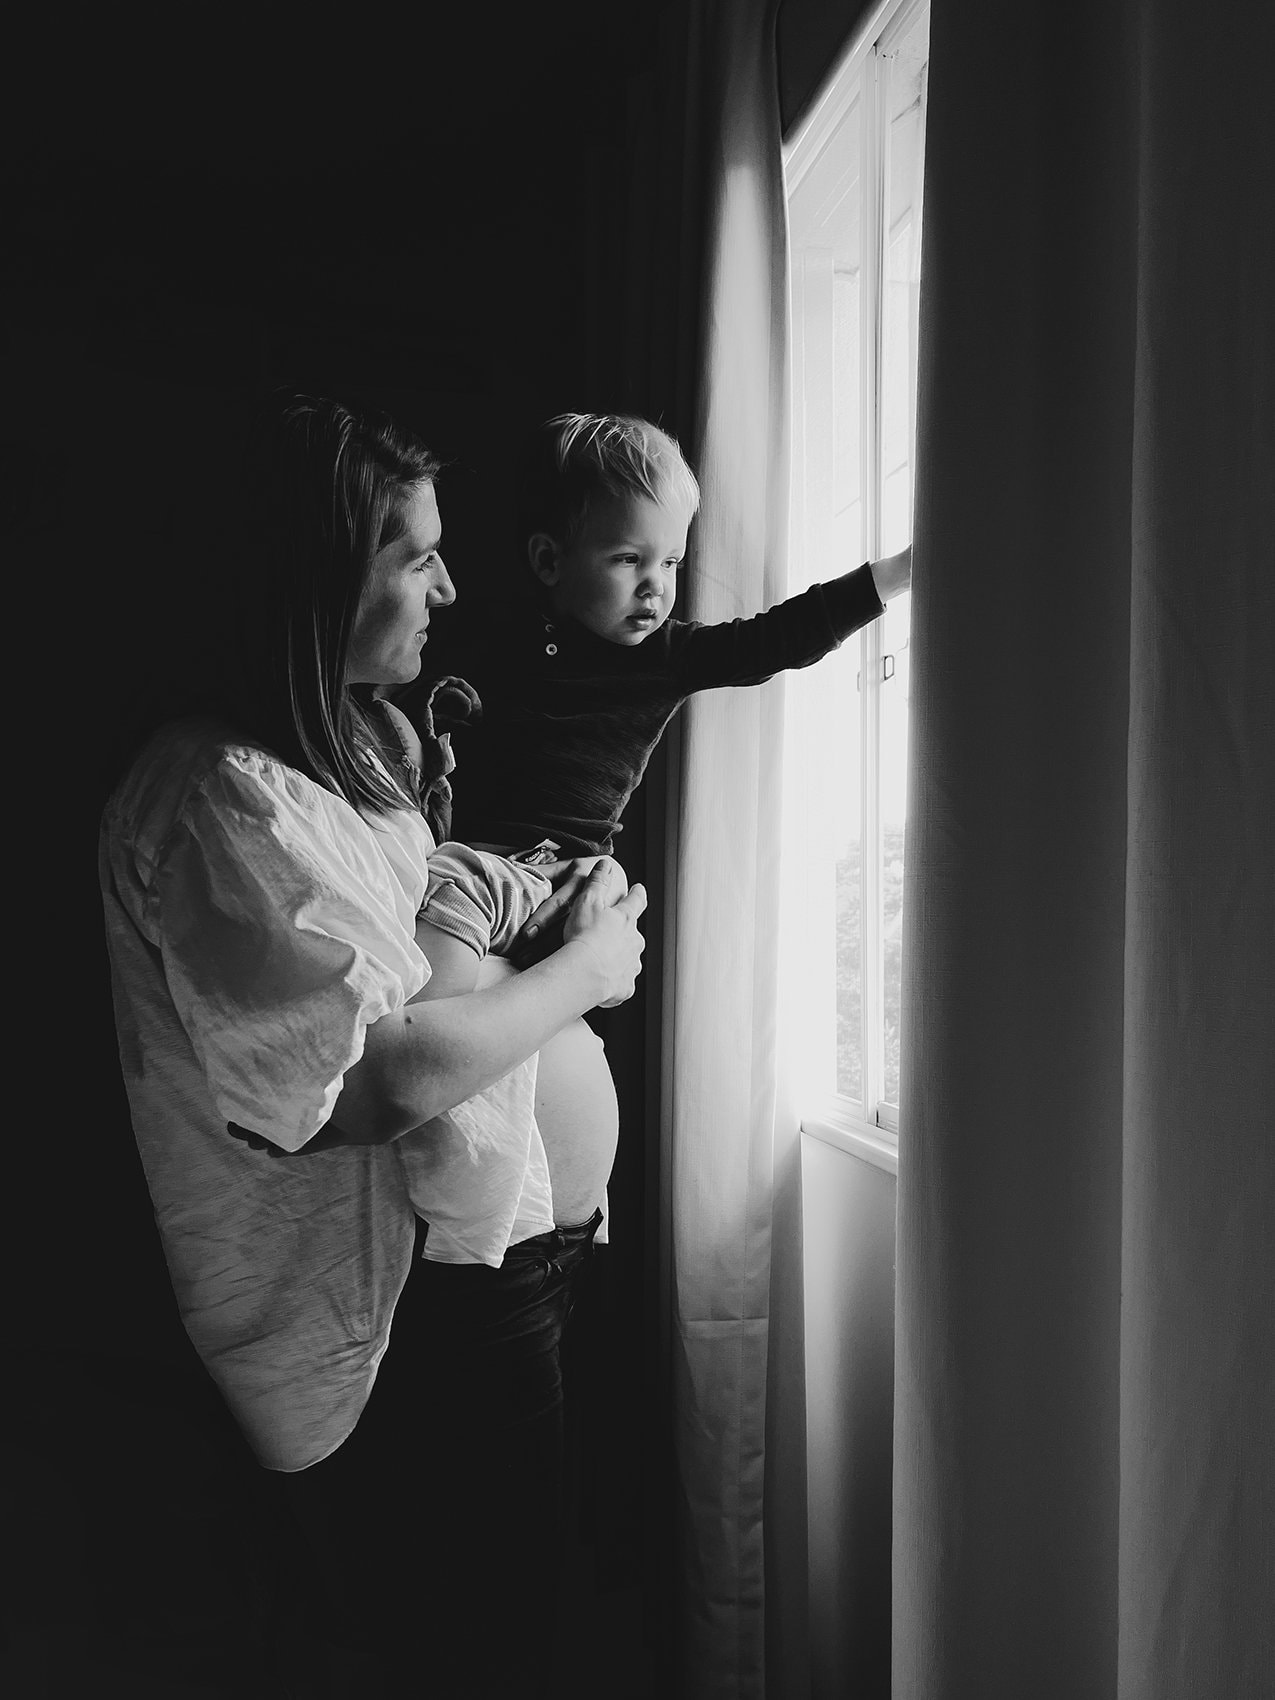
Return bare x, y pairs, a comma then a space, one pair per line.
576, 457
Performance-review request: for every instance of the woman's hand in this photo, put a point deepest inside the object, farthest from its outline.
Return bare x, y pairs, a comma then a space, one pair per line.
893, 575
543, 931
604, 917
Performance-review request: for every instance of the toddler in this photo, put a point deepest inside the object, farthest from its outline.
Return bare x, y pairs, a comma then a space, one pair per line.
574, 695
571, 698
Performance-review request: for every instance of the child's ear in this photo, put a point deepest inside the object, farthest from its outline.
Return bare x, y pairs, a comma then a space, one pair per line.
542, 552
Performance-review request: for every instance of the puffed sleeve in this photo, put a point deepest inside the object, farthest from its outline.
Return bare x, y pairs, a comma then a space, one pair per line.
284, 932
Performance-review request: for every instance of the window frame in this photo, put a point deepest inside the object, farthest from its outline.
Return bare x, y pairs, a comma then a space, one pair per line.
869, 1128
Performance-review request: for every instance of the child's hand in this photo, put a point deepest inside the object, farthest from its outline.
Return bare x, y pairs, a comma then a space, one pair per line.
543, 931
893, 574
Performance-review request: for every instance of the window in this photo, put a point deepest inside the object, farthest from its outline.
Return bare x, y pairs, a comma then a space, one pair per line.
853, 179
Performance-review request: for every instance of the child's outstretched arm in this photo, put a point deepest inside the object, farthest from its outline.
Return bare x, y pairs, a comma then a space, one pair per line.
893, 574
792, 634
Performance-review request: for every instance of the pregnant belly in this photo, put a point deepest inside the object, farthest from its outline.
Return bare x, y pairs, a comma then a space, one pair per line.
576, 1111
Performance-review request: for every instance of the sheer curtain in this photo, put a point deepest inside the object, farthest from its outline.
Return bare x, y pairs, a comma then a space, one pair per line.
1083, 1473
730, 1153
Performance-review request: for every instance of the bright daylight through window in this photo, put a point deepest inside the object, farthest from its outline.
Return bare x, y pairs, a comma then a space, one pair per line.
853, 178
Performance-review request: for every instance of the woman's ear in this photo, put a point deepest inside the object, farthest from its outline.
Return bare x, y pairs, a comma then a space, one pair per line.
542, 552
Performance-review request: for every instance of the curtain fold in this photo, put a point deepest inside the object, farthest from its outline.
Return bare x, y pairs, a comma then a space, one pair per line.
1197, 1503
730, 1159
691, 330
1084, 1496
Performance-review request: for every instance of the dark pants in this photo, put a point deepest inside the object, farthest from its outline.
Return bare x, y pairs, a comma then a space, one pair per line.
438, 1524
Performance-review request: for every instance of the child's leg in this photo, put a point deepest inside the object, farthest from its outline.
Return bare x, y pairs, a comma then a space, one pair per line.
455, 964
475, 904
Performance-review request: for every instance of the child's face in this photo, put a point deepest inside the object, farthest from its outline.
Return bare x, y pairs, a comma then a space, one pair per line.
619, 577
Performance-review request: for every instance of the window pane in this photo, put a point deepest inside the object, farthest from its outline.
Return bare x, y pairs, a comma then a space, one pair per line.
829, 533
894, 746
827, 240
847, 412
904, 67
847, 838
822, 717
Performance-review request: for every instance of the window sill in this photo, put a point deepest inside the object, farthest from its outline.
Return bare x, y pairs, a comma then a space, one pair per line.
835, 1126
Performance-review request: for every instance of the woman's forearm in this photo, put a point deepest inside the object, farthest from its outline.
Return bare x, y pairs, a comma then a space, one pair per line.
427, 1057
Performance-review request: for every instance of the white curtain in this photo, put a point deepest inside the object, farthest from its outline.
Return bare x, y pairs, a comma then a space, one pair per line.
730, 1156
1084, 1488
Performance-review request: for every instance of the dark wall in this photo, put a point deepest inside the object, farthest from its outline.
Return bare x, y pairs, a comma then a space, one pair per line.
474, 221
439, 221
811, 36
422, 221
408, 220
459, 221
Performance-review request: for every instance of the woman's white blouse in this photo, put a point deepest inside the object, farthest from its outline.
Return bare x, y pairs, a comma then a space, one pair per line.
257, 924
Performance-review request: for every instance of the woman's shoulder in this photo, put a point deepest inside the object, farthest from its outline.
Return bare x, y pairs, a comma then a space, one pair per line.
181, 755
201, 780
208, 759
204, 766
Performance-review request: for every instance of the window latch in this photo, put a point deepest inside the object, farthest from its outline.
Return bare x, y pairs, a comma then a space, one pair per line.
887, 671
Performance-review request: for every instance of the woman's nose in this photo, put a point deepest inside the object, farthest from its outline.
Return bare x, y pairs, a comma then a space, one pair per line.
442, 591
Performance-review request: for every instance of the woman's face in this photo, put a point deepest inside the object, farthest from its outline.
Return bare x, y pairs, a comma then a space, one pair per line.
407, 579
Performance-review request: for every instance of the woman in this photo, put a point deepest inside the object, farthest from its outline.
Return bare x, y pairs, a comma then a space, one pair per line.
261, 873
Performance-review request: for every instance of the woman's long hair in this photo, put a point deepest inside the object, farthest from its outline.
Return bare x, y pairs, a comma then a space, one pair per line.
327, 488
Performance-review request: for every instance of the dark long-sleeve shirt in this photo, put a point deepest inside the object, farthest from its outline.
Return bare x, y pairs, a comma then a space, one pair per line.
569, 720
